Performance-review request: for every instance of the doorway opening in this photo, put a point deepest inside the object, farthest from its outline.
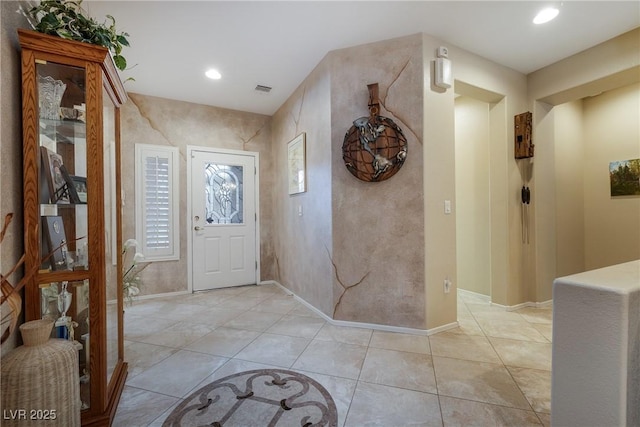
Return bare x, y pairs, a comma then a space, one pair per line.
480, 138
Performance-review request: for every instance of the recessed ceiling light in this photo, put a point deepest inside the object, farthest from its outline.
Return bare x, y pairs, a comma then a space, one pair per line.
213, 74
546, 15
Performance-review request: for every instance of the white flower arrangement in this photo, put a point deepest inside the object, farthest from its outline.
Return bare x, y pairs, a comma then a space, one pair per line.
132, 266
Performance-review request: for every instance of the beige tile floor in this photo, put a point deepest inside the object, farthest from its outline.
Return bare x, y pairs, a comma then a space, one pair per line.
495, 369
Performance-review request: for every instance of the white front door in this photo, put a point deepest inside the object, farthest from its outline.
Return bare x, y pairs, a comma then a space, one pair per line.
223, 219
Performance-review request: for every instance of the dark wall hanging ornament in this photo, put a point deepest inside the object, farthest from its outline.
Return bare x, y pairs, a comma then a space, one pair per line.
523, 150
374, 148
523, 126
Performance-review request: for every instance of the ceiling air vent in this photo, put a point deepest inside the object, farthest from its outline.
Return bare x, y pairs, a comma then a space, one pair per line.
261, 88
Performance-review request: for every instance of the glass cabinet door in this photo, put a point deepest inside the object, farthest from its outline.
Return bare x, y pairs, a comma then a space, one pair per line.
112, 246
62, 197
63, 167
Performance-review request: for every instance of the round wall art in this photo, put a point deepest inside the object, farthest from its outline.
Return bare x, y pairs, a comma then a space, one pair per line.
374, 148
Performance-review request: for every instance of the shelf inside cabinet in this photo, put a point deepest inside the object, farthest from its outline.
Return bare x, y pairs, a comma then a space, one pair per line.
62, 130
47, 276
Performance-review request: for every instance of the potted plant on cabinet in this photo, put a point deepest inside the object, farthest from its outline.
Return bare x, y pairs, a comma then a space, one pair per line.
66, 19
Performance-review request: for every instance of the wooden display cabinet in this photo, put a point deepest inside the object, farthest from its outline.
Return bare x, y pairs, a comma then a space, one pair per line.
71, 98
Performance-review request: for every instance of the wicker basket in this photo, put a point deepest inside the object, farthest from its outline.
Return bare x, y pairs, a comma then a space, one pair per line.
36, 332
40, 383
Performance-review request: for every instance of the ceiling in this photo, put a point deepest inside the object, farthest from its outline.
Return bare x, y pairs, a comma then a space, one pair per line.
277, 44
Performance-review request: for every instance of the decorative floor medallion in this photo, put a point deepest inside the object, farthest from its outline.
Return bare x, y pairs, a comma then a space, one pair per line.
264, 397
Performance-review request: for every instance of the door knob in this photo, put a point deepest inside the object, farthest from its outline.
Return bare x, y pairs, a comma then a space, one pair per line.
198, 228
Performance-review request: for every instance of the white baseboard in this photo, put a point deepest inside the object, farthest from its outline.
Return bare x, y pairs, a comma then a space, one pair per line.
543, 304
374, 326
154, 296
487, 298
273, 282
512, 307
176, 293
442, 328
482, 297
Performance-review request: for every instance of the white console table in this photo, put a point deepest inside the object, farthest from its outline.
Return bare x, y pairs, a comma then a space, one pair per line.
595, 377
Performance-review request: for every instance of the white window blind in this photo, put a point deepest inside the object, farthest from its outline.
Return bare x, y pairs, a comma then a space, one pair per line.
157, 202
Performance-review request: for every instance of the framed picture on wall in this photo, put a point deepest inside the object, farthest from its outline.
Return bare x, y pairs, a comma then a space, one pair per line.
624, 176
296, 164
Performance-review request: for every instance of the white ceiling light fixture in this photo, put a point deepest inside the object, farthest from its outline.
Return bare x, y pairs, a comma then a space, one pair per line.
213, 74
546, 15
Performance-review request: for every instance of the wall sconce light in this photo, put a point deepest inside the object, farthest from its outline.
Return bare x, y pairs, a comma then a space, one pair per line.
443, 76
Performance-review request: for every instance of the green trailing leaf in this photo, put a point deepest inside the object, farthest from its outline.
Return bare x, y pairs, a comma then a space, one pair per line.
64, 33
122, 39
103, 39
120, 62
65, 18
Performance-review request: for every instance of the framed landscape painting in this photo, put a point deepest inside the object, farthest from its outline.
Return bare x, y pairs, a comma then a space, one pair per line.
625, 177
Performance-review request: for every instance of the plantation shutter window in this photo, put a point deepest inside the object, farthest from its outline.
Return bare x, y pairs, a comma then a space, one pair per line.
157, 222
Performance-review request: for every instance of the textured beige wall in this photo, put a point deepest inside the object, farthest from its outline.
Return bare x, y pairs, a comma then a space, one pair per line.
569, 177
473, 195
378, 228
501, 198
11, 146
543, 202
151, 120
439, 185
611, 132
303, 244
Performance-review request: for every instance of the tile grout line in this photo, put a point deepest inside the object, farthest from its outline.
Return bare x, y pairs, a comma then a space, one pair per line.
435, 379
308, 344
